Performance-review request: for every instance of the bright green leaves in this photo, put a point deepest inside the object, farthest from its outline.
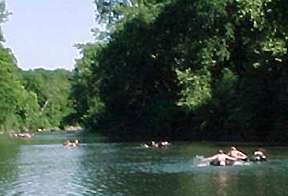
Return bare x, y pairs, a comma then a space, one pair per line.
196, 88
16, 104
254, 11
30, 99
52, 90
276, 47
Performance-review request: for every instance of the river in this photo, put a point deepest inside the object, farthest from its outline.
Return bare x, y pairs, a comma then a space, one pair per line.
42, 166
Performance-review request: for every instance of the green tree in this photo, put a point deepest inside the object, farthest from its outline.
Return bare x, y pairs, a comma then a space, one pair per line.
17, 106
52, 89
85, 86
112, 14
205, 68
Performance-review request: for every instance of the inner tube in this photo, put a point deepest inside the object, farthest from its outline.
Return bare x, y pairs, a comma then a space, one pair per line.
215, 163
259, 158
229, 163
218, 163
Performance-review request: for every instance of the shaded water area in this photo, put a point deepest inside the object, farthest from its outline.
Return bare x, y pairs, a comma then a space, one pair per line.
42, 166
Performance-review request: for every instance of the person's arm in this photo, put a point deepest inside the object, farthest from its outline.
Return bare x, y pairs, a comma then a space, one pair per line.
230, 158
242, 155
210, 158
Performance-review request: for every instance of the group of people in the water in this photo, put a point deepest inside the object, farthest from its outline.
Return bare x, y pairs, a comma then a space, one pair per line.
222, 159
25, 135
160, 144
71, 143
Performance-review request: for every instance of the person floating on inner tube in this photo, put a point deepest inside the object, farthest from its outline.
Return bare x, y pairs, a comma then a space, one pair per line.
154, 144
238, 155
259, 155
71, 143
220, 159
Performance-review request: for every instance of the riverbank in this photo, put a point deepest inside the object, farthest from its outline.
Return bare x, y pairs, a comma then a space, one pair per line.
67, 129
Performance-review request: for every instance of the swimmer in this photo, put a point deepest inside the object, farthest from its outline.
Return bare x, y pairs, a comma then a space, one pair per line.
235, 153
220, 159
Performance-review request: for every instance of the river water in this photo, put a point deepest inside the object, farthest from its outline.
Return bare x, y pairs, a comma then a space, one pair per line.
42, 166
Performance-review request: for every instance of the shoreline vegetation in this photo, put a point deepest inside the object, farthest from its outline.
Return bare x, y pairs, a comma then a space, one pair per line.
213, 70
66, 128
28, 134
53, 129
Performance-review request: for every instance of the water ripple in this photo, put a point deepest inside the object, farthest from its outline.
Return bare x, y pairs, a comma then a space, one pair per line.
104, 169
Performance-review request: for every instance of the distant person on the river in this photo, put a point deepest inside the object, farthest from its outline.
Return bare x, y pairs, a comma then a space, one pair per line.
220, 159
235, 153
22, 135
154, 144
259, 155
71, 143
76, 142
162, 144
151, 144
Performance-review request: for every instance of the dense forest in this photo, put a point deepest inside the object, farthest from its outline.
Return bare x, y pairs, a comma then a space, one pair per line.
179, 69
30, 100
186, 69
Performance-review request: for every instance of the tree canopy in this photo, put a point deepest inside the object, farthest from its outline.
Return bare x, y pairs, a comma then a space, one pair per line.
30, 99
212, 69
52, 89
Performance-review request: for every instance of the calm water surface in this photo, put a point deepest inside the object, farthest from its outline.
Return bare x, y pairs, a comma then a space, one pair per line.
42, 166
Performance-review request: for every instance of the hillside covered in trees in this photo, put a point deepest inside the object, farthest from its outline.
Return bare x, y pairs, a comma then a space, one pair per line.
30, 100
183, 69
